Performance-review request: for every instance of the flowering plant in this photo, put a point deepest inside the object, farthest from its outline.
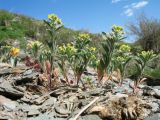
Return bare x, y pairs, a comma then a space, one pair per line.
49, 56
83, 55
5, 53
77, 54
35, 48
105, 64
54, 21
122, 58
13, 53
67, 53
142, 60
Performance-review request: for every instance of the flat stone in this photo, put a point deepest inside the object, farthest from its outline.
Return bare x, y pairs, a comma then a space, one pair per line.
7, 90
156, 87
157, 93
119, 95
33, 112
18, 70
5, 71
151, 92
26, 100
4, 115
1, 80
40, 100
31, 99
155, 116
122, 89
28, 72
148, 91
90, 117
96, 92
57, 92
155, 106
61, 110
4, 65
7, 103
35, 96
153, 82
24, 107
27, 77
45, 117
50, 101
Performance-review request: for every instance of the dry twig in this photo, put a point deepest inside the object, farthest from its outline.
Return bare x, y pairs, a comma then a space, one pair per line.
83, 109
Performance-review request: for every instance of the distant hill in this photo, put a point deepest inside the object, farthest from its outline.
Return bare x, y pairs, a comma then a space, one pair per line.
19, 27
14, 26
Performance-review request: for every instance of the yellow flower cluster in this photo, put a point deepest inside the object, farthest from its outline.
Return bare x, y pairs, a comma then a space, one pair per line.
67, 49
146, 54
34, 43
55, 19
117, 29
14, 51
120, 59
62, 48
125, 48
92, 49
93, 57
83, 36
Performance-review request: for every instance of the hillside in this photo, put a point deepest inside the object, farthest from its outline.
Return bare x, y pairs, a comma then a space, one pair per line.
19, 27
14, 26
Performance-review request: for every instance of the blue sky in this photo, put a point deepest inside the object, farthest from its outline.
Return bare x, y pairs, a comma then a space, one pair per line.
92, 15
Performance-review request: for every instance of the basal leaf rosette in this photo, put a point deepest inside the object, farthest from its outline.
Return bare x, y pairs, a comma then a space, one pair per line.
33, 44
34, 47
5, 53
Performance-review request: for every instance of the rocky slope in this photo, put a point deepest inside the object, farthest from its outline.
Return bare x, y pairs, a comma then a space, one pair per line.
22, 97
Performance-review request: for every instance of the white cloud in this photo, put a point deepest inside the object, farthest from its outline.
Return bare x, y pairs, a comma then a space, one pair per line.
115, 1
128, 12
140, 4
130, 9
